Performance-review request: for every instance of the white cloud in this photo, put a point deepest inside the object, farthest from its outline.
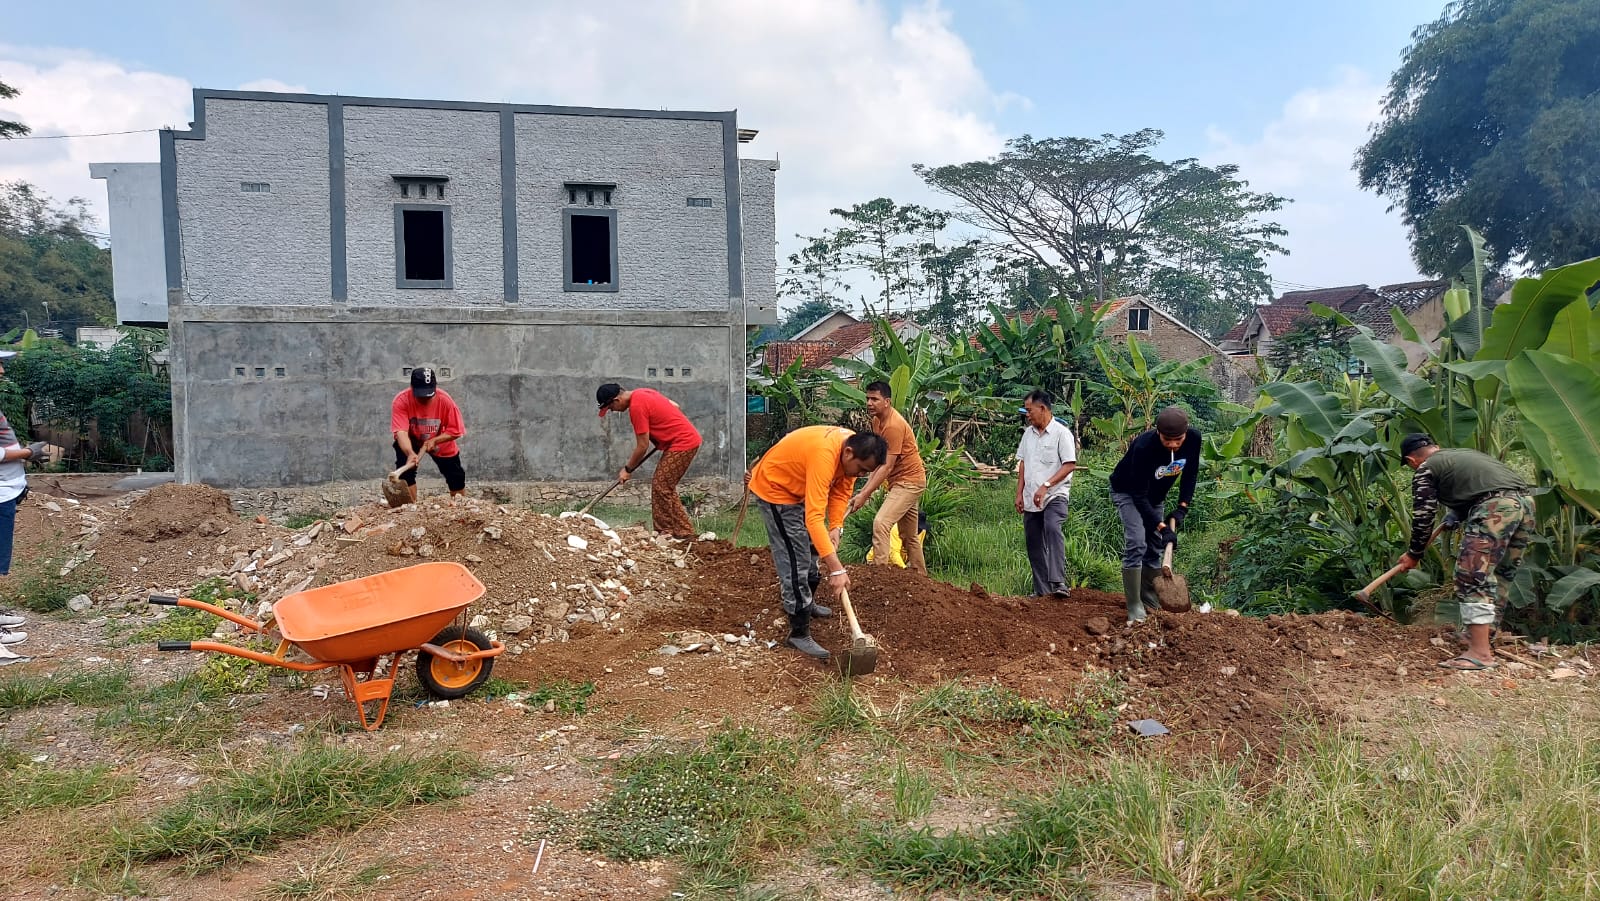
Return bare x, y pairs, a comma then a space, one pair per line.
273, 84
1338, 233
64, 92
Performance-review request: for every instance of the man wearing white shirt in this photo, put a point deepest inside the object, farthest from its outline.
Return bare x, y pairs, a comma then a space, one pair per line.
1045, 460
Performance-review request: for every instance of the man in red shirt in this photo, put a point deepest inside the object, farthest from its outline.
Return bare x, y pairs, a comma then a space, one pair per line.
426, 420
659, 420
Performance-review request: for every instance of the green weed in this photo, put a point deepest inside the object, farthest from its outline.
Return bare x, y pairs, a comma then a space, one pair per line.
568, 697
38, 583
495, 688
184, 714
301, 520
32, 786
840, 708
288, 794
1432, 820
912, 791
182, 624
973, 714
333, 875
85, 688
716, 806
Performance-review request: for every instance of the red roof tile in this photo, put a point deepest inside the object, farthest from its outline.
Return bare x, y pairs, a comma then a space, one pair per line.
1346, 299
778, 355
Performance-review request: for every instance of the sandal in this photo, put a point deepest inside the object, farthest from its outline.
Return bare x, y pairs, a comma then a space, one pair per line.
1465, 663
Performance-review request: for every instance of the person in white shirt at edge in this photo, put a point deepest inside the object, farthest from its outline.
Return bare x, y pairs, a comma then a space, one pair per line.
1045, 461
13, 485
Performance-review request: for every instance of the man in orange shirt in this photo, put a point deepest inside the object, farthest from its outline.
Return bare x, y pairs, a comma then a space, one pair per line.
425, 420
659, 420
803, 485
906, 477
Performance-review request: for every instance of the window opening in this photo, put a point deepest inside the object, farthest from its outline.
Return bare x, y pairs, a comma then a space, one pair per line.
651, 372
279, 372
261, 372
684, 372
424, 244
591, 249
1139, 319
255, 187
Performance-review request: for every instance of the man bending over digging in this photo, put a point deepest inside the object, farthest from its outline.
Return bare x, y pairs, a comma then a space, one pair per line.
1167, 454
658, 420
802, 485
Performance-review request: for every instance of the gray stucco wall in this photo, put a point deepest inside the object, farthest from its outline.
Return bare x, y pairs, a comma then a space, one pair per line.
525, 387
758, 188
138, 257
380, 142
267, 248
670, 255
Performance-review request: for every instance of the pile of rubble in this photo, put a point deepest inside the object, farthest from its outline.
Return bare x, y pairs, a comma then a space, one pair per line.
547, 578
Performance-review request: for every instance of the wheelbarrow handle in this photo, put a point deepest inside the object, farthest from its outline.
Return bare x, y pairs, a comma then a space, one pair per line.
167, 600
173, 645
164, 600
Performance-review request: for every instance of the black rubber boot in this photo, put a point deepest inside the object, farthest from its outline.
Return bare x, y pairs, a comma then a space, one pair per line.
800, 637
1152, 601
1132, 589
818, 610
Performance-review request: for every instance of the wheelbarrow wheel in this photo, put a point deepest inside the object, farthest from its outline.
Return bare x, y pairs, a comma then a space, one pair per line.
447, 680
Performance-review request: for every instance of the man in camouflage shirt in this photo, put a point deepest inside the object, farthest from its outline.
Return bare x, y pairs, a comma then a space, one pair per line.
1492, 503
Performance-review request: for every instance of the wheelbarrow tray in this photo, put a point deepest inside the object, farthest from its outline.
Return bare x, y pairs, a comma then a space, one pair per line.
376, 615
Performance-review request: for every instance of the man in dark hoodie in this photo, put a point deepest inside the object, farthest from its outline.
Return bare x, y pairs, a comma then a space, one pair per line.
1139, 485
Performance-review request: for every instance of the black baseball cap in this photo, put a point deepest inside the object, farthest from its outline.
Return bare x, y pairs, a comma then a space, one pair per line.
605, 394
1414, 442
423, 382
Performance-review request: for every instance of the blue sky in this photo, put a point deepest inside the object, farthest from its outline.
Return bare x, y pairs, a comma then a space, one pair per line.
847, 93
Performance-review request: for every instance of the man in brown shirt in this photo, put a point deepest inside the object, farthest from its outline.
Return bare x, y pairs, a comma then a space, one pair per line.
903, 473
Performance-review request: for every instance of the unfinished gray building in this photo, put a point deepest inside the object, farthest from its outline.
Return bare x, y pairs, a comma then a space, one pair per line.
317, 247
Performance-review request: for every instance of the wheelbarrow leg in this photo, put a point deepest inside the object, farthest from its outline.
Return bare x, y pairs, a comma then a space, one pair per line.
367, 691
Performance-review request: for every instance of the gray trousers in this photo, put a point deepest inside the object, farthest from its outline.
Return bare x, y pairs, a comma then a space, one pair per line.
793, 557
1047, 549
1138, 545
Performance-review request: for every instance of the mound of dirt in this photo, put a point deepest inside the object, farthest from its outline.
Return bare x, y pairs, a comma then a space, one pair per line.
171, 511
1225, 680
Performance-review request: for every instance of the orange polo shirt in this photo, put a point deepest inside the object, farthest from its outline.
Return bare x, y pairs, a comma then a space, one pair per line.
804, 467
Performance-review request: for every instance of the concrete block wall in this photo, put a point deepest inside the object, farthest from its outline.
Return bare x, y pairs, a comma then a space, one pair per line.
758, 188
257, 248
669, 255
380, 142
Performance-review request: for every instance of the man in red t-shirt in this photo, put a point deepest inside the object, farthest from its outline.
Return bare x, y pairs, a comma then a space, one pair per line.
658, 420
426, 420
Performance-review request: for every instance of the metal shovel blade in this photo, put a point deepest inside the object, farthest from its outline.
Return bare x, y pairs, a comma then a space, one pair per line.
861, 659
1172, 590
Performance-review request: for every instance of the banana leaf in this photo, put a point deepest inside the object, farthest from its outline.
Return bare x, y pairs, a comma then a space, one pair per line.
1569, 333
1524, 323
1321, 413
1388, 366
1575, 584
1561, 398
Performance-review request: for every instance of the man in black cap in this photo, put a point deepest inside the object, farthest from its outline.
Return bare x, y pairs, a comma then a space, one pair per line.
425, 420
1492, 503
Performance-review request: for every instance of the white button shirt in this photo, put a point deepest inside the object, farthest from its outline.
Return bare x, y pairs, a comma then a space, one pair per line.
1042, 453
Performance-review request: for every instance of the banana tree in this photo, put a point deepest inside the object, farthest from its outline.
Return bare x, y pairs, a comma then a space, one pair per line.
919, 376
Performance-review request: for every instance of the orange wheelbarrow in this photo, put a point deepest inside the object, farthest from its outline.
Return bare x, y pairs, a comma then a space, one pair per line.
364, 623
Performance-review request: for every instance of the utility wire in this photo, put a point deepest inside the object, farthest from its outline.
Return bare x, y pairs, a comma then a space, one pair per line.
97, 134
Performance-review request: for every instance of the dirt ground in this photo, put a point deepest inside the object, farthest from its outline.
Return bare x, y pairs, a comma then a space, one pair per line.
677, 638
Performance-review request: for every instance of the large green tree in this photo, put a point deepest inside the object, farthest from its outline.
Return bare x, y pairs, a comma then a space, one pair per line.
51, 270
1493, 121
1090, 209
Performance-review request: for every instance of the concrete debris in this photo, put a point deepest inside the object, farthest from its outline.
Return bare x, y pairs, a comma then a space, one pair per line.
656, 671
578, 542
80, 603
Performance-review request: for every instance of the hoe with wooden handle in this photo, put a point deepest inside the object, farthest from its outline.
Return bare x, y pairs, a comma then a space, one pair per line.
862, 657
395, 492
1365, 594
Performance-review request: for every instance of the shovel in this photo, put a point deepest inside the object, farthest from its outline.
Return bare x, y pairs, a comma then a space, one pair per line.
601, 496
395, 492
1172, 589
862, 657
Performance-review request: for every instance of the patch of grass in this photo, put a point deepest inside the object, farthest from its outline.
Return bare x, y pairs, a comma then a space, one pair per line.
31, 786
83, 687
182, 624
840, 708
569, 697
287, 794
333, 875
184, 714
1512, 817
495, 688
716, 806
38, 583
972, 714
912, 791
301, 520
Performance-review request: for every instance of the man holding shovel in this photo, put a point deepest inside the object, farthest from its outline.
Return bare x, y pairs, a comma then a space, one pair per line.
659, 420
1492, 503
803, 484
1140, 483
426, 420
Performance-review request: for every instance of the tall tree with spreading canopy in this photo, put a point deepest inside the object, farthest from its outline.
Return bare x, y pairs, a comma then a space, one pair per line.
1493, 121
1192, 237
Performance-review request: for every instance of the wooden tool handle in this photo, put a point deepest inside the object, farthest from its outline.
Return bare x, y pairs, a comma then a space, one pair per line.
1166, 560
738, 523
1398, 568
395, 476
850, 614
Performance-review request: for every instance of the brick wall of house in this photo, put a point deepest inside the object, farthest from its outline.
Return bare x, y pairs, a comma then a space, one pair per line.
1173, 342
